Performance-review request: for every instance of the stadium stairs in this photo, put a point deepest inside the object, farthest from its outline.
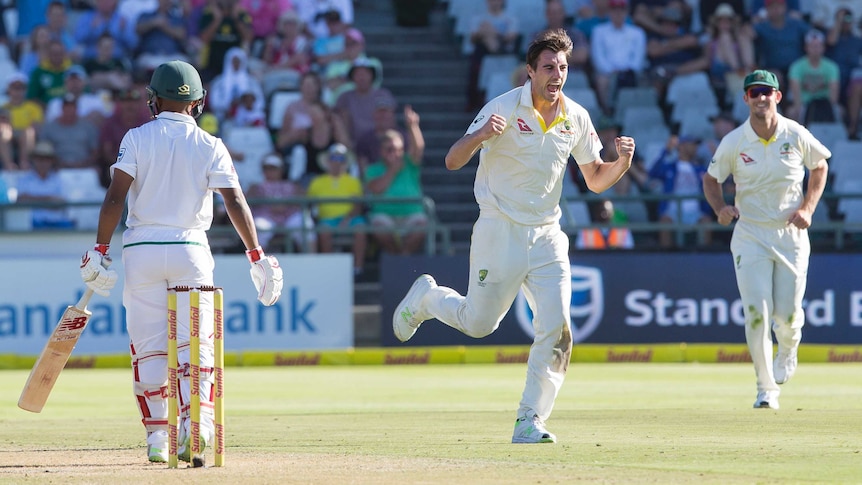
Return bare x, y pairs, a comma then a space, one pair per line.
423, 67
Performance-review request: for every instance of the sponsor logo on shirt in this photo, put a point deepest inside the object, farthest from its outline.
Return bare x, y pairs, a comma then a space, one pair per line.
523, 127
746, 159
478, 119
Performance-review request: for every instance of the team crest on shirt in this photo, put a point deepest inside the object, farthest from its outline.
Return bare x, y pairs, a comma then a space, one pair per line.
567, 128
786, 151
483, 273
523, 127
120, 155
747, 160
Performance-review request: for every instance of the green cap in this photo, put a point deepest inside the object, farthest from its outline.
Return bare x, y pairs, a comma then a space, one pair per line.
760, 77
177, 80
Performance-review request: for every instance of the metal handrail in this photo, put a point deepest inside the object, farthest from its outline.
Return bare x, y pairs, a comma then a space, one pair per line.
433, 229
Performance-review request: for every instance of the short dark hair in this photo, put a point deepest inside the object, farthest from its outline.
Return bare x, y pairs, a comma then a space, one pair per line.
555, 40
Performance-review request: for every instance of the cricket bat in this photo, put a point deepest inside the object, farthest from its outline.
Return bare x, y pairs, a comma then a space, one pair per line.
55, 355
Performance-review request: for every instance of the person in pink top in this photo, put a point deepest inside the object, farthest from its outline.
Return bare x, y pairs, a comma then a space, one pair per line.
264, 18
269, 216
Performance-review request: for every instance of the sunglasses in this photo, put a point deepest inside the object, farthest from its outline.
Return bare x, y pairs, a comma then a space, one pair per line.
759, 91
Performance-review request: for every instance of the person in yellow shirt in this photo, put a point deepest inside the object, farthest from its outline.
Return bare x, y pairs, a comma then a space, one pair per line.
19, 122
337, 182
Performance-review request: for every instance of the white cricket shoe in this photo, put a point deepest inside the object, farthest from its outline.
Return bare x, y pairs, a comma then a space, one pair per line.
766, 400
157, 446
784, 365
410, 313
531, 429
207, 436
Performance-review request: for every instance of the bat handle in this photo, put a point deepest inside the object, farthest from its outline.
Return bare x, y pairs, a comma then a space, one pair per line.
85, 299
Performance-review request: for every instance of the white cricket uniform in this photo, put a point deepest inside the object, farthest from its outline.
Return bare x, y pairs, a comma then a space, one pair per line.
176, 166
517, 241
770, 255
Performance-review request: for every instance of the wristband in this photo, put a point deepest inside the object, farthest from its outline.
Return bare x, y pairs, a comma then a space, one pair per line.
102, 249
254, 255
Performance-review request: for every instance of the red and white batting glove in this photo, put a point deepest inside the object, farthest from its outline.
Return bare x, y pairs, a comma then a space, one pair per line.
94, 270
266, 275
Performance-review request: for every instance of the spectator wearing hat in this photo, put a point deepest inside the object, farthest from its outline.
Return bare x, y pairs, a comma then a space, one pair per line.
103, 19
678, 172
356, 106
618, 52
129, 112
47, 79
75, 139
42, 184
269, 215
20, 120
779, 39
337, 73
707, 8
399, 227
728, 51
288, 47
309, 126
162, 36
91, 106
105, 71
234, 81
334, 183
814, 81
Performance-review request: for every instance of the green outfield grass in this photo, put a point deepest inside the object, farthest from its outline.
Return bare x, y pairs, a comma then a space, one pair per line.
616, 423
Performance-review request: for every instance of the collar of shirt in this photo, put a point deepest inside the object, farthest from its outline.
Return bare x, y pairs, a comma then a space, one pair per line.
751, 136
527, 100
174, 116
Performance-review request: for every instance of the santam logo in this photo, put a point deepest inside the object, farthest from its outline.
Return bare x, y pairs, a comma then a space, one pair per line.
586, 309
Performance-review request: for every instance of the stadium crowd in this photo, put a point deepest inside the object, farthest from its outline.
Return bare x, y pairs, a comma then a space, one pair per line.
74, 74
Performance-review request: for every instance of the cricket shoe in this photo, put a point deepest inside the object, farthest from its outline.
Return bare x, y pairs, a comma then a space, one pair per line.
766, 400
157, 447
784, 365
531, 429
410, 313
184, 450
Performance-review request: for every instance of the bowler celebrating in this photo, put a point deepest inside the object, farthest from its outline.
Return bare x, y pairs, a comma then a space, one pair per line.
524, 138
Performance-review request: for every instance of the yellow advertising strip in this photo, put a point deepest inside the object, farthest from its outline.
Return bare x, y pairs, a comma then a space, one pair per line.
513, 354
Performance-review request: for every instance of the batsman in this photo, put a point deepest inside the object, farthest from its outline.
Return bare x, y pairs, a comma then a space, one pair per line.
169, 169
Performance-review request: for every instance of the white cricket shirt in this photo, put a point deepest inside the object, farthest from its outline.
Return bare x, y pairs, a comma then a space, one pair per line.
768, 174
521, 171
176, 166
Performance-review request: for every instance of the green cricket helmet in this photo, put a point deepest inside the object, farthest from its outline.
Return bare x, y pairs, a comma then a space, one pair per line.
176, 80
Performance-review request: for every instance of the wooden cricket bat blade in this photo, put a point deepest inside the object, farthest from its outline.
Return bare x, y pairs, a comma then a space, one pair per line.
55, 355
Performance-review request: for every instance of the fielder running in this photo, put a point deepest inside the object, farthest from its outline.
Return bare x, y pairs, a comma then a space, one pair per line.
524, 139
169, 168
767, 157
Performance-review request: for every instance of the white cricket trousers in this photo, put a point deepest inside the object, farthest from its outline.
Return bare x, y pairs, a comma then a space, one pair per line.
149, 270
771, 272
506, 257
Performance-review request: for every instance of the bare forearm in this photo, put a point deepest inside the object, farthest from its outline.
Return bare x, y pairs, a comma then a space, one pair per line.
714, 193
462, 151
816, 185
241, 218
603, 175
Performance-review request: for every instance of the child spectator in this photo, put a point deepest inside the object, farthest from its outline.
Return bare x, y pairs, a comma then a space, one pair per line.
233, 82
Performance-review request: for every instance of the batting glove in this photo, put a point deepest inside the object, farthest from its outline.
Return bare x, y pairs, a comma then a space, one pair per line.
266, 275
94, 270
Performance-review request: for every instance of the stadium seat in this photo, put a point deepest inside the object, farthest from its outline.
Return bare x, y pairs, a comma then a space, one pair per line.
845, 159
687, 87
280, 80
253, 142
278, 103
492, 64
639, 118
585, 97
629, 97
705, 109
499, 83
697, 123
851, 207
82, 185
577, 79
828, 133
